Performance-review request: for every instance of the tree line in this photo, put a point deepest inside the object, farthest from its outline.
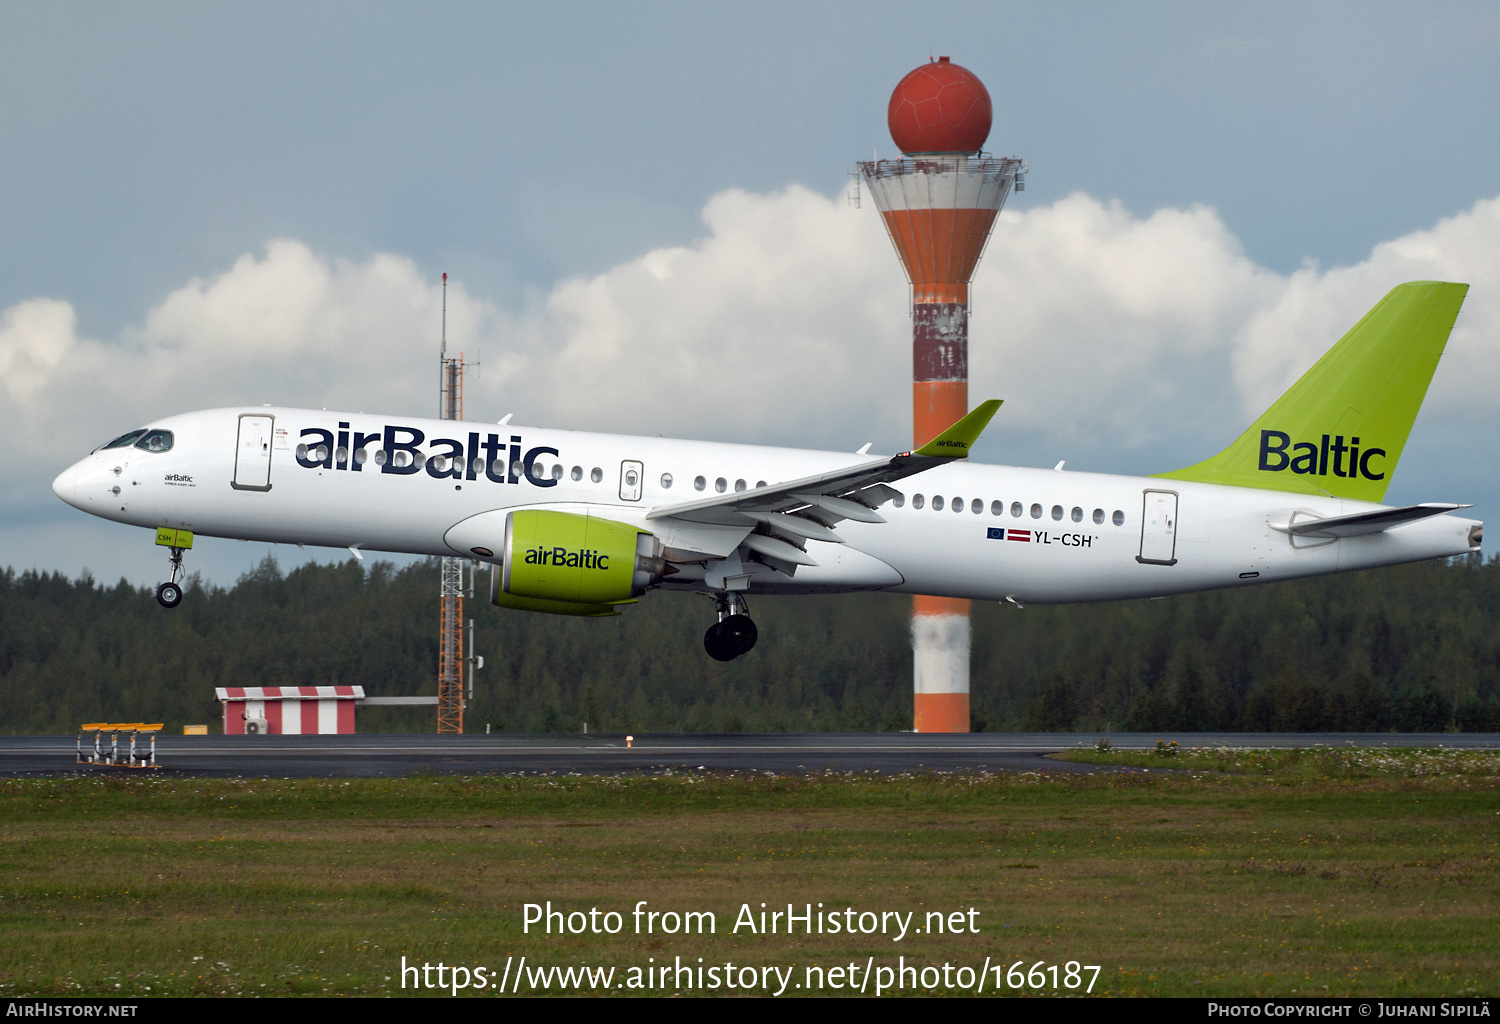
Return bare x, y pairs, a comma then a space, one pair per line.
1413, 647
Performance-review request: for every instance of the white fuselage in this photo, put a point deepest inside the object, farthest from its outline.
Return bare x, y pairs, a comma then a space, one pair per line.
1055, 550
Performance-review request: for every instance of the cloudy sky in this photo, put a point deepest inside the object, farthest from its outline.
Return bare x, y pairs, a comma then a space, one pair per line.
642, 209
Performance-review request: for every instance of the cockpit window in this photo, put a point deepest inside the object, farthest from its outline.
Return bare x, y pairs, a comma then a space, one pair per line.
156, 441
124, 440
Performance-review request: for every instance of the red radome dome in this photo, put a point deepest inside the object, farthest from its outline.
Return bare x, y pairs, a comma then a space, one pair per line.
940, 108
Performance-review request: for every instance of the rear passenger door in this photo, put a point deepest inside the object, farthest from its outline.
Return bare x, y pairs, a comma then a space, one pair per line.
1158, 528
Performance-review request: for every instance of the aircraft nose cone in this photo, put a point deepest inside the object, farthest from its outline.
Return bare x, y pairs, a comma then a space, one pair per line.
66, 484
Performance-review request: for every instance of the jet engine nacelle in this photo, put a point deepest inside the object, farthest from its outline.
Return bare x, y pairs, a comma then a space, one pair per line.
571, 564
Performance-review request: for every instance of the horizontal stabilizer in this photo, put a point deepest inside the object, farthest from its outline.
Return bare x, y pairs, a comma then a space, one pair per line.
1361, 523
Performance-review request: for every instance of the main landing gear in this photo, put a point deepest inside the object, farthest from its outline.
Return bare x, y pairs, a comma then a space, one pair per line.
169, 594
734, 634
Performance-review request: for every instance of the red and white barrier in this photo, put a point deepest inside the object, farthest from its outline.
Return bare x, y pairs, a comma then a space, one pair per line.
290, 710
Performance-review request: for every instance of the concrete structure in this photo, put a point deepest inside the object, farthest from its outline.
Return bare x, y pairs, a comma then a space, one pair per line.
939, 203
289, 710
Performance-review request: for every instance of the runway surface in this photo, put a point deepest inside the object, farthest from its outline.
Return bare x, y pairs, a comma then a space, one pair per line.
394, 755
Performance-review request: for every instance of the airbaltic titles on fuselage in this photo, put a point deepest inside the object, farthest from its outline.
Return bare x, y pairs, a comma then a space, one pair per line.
320, 449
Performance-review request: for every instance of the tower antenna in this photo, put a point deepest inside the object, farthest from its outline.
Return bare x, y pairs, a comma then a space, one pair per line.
451, 587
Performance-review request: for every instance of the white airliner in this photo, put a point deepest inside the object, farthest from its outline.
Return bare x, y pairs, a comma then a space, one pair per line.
581, 524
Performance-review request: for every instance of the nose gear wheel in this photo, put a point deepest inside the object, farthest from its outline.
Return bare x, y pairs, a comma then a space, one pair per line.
169, 594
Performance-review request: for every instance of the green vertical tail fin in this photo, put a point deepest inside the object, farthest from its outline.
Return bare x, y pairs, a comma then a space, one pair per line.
1341, 428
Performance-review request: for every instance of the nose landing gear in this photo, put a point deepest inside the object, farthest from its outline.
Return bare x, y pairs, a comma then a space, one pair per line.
169, 594
734, 634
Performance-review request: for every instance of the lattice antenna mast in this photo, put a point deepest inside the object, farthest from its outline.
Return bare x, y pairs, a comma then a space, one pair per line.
451, 589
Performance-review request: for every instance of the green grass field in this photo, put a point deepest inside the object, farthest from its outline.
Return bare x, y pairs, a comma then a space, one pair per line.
1351, 872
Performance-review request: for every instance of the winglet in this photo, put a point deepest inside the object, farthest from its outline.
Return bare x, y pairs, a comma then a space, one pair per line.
954, 442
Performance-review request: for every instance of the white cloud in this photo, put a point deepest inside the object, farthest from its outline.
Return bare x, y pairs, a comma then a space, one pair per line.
785, 323
1094, 322
35, 336
1313, 308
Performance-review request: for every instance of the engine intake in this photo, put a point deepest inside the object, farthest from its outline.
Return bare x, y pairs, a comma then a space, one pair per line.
572, 564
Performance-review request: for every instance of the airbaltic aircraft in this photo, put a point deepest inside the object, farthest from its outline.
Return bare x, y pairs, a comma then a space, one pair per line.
581, 524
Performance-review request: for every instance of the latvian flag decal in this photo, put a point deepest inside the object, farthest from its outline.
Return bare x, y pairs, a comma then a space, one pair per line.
995, 533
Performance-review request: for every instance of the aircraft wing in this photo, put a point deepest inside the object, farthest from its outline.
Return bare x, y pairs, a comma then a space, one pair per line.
861, 484
808, 508
1361, 523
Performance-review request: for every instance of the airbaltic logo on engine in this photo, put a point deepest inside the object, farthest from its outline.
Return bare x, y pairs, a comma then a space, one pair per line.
585, 559
399, 450
1305, 457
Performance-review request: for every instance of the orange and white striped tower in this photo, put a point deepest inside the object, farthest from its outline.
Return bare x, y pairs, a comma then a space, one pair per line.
939, 202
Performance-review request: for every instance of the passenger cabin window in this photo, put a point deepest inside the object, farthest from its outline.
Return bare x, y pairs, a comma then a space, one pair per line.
156, 441
1119, 518
1057, 512
596, 474
739, 485
699, 483
1036, 511
666, 481
577, 473
899, 500
1077, 514
1099, 516
1015, 509
721, 485
976, 506
997, 508
916, 501
937, 502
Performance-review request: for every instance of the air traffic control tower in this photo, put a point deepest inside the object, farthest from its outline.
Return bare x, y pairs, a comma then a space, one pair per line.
939, 202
